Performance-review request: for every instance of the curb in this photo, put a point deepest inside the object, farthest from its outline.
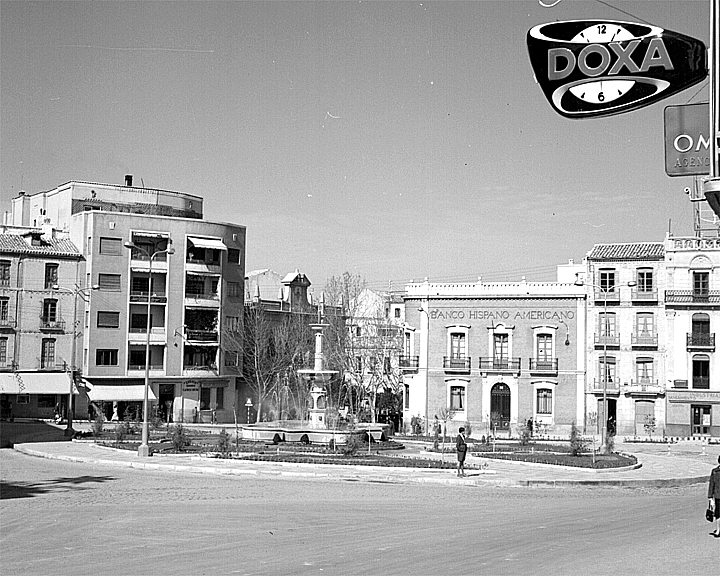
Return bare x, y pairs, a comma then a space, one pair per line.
373, 474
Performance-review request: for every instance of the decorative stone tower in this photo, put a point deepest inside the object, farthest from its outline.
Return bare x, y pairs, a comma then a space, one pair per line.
317, 377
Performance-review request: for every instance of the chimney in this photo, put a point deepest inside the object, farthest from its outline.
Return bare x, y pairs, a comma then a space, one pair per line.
128, 179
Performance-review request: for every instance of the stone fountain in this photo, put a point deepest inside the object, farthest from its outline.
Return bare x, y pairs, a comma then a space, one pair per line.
317, 377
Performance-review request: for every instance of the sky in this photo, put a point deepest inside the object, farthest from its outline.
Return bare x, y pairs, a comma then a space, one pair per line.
395, 140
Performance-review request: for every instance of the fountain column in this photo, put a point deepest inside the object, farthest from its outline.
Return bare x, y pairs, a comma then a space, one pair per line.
317, 377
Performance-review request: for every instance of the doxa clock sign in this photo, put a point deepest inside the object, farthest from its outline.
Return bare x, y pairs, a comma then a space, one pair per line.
591, 68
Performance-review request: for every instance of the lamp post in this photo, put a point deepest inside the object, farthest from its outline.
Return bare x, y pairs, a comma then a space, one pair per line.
73, 349
144, 448
423, 308
606, 325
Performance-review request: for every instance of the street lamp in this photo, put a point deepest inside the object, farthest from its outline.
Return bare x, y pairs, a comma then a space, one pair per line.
77, 291
144, 448
606, 324
424, 309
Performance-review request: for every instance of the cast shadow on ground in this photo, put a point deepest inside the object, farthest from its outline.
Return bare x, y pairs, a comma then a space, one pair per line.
9, 490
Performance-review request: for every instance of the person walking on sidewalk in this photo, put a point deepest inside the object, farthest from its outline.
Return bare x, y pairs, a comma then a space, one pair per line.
461, 447
714, 497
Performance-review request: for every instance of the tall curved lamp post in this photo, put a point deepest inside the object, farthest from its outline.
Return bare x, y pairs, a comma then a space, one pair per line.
144, 448
606, 325
73, 350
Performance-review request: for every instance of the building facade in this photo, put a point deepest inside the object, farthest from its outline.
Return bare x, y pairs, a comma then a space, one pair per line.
495, 355
158, 276
38, 322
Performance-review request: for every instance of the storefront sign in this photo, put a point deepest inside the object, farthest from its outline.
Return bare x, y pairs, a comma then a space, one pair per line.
687, 146
499, 315
191, 386
591, 68
696, 396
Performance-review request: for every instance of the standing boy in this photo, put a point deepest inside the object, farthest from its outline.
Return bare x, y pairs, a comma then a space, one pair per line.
461, 447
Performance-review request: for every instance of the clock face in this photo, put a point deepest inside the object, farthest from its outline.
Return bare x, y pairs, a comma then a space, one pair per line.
606, 90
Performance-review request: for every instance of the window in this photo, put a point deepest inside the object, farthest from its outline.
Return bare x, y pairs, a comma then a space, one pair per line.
4, 272
701, 284
219, 398
47, 358
701, 371
457, 398
645, 370
111, 246
194, 285
49, 310
140, 285
232, 323
606, 326
645, 324
204, 398
108, 319
406, 397
233, 289
138, 322
106, 357
500, 348
137, 358
645, 280
3, 351
700, 323
544, 401
233, 256
397, 312
51, 275
607, 280
23, 398
4, 309
457, 345
231, 358
544, 348
109, 281
609, 373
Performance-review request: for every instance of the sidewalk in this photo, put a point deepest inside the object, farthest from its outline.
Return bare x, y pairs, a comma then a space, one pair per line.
685, 463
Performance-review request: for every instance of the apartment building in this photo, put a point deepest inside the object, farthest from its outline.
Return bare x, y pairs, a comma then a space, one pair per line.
157, 276
37, 321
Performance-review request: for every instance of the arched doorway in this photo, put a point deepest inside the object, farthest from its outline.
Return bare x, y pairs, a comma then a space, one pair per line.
500, 406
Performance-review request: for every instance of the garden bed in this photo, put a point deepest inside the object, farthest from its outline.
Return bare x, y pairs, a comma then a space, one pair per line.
584, 460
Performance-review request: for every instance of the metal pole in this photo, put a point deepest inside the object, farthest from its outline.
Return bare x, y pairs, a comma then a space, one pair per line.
714, 69
605, 369
69, 430
144, 448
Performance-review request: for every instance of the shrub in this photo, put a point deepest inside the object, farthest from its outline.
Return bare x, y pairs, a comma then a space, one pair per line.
122, 429
525, 434
224, 443
97, 424
468, 429
577, 444
352, 445
179, 438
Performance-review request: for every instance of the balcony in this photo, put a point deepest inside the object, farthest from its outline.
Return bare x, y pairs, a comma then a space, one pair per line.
140, 296
701, 341
611, 297
153, 367
613, 387
7, 325
639, 296
194, 369
701, 298
52, 324
643, 387
201, 335
202, 299
701, 382
499, 364
612, 340
644, 340
452, 364
409, 362
549, 366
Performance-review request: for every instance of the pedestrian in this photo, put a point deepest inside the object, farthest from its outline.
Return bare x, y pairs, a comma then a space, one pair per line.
530, 424
461, 447
714, 497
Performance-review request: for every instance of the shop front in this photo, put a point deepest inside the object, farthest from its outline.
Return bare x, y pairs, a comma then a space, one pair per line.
42, 395
693, 413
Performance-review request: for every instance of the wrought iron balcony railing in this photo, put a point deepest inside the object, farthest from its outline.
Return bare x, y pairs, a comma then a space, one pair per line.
692, 297
607, 339
638, 295
549, 365
702, 341
644, 340
499, 364
52, 324
456, 363
409, 362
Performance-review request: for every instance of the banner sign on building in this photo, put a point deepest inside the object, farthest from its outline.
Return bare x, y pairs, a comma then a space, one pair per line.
592, 68
687, 146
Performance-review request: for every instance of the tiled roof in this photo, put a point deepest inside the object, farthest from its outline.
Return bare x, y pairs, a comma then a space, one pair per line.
16, 244
630, 251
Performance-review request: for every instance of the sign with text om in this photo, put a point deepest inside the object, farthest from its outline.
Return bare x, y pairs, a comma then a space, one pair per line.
687, 146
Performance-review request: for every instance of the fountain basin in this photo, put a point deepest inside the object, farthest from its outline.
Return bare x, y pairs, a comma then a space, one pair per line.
288, 432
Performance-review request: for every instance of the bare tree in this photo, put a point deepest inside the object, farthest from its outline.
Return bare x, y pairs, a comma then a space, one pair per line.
365, 347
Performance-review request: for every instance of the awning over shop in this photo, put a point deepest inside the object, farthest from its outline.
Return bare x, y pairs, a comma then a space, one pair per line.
212, 243
36, 383
134, 392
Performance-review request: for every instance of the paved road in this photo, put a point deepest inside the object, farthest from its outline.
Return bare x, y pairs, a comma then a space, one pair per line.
78, 518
